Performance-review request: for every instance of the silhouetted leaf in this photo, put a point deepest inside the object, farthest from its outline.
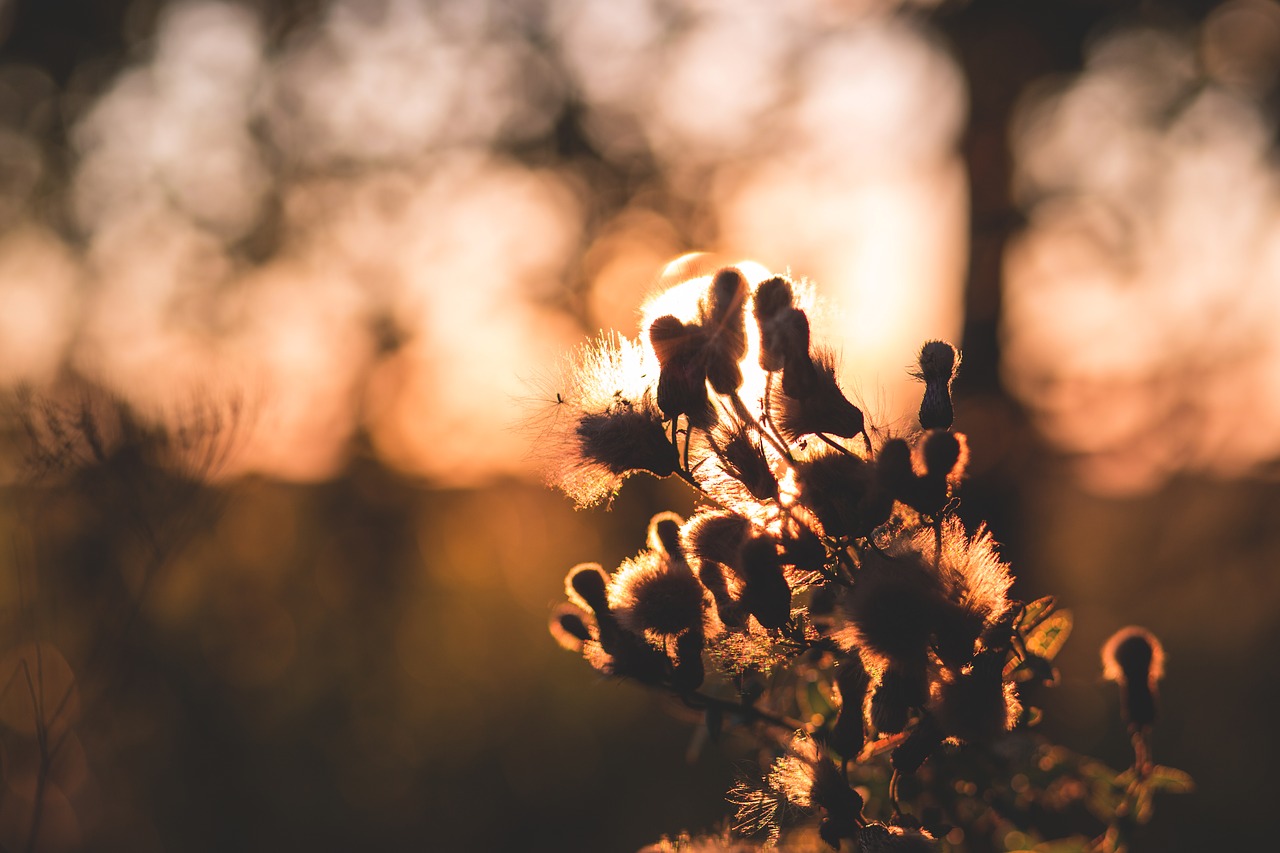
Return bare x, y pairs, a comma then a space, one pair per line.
1048, 638
1171, 780
1034, 613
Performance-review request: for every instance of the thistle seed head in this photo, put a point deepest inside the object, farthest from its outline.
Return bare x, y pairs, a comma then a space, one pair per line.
647, 595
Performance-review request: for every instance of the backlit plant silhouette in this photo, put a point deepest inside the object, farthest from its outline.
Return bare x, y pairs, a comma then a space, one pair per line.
824, 597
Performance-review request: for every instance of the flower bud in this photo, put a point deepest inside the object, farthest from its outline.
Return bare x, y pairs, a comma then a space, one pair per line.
900, 690
717, 536
975, 707
765, 594
664, 534
843, 805
844, 494
569, 628
847, 735
724, 322
1134, 659
627, 439
652, 593
817, 404
711, 574
682, 379
798, 372
773, 300
744, 460
945, 454
588, 582
937, 365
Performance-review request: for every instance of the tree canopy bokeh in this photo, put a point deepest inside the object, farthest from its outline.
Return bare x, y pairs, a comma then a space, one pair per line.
308, 268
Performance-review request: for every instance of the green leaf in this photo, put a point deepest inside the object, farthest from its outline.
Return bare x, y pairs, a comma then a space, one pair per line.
1143, 805
812, 700
1048, 637
1034, 613
1171, 780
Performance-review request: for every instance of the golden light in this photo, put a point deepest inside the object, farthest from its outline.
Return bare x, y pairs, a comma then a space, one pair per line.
1140, 303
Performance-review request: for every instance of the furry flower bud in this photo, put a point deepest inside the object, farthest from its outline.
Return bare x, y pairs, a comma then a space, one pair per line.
936, 368
723, 319
1134, 658
682, 380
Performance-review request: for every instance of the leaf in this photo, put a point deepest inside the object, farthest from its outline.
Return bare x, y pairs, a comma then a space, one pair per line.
1170, 780
1048, 637
1034, 613
1143, 805
1031, 716
1032, 667
813, 700
1075, 844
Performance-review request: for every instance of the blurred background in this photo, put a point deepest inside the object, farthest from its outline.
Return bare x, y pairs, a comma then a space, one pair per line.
307, 268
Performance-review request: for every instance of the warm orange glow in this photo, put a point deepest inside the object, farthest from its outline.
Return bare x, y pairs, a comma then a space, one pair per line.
326, 229
1140, 304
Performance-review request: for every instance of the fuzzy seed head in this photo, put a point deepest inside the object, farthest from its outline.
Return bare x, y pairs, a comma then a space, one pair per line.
820, 407
610, 425
627, 440
646, 595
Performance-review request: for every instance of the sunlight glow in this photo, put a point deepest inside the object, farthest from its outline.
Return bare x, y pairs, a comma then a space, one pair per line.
333, 224
1140, 304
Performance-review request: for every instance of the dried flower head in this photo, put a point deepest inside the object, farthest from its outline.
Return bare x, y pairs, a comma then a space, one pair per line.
857, 627
612, 427
819, 406
652, 592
